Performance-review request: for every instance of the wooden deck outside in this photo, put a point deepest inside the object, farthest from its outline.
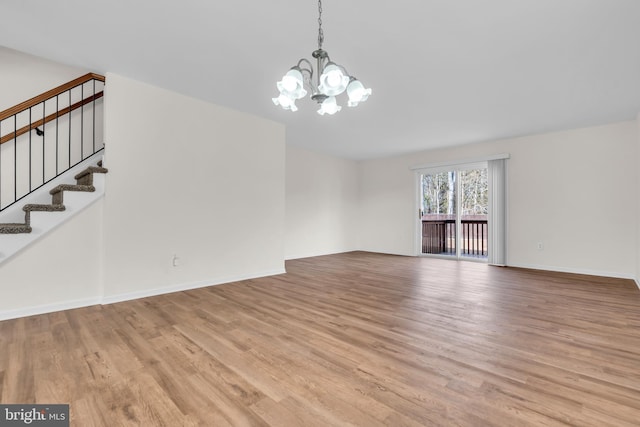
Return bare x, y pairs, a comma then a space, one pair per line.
439, 235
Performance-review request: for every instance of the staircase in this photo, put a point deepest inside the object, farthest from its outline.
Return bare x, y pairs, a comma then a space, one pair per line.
84, 183
51, 149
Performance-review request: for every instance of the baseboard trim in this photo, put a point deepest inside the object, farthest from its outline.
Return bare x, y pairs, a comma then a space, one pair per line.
315, 254
48, 308
185, 287
612, 274
86, 302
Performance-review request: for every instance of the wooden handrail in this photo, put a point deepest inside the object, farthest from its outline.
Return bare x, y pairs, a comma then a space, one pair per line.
49, 118
44, 97
48, 94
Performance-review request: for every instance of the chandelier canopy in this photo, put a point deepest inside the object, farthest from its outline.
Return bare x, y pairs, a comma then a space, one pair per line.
331, 80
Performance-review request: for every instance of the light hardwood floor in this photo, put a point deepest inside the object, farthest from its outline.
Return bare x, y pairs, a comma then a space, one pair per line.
353, 339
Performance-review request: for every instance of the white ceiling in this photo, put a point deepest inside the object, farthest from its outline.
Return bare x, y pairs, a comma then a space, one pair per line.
443, 72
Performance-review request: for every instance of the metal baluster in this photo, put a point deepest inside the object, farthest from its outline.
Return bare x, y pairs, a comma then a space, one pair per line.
82, 122
15, 157
93, 123
69, 165
57, 136
30, 161
44, 137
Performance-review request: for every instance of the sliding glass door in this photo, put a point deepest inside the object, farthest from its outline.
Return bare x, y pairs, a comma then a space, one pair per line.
453, 215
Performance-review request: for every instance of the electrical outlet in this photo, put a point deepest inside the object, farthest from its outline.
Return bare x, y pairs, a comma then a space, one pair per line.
540, 246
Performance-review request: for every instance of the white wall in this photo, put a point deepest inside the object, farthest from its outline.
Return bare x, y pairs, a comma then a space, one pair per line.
24, 76
552, 180
192, 179
321, 204
60, 271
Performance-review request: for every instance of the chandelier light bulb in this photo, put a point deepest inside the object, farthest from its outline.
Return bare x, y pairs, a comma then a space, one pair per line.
292, 85
357, 93
285, 102
333, 81
329, 106
289, 83
334, 78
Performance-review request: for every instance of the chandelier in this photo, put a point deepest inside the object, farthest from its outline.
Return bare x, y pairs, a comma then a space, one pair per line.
331, 80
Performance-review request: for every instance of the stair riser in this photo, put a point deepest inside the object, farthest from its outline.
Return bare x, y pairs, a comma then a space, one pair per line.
58, 198
86, 180
31, 216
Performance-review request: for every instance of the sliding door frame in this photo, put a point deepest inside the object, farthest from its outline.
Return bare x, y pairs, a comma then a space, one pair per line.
500, 229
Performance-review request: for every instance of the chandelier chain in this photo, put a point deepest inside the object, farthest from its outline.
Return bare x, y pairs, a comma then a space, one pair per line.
320, 31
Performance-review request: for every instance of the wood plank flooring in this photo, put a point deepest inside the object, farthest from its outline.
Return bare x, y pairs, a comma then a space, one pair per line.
355, 339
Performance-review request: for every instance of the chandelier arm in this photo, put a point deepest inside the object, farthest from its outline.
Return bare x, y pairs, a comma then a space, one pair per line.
308, 63
309, 71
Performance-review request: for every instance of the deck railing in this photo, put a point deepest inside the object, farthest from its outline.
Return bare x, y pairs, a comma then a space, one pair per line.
439, 236
47, 135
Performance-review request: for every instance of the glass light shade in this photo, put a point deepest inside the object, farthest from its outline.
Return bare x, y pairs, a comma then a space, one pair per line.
333, 81
357, 93
285, 102
329, 106
292, 85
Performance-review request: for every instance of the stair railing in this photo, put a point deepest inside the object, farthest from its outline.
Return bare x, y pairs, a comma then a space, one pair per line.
45, 136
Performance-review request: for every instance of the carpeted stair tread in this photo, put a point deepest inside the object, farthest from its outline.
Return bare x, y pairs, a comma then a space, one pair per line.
90, 170
14, 228
84, 183
43, 208
72, 187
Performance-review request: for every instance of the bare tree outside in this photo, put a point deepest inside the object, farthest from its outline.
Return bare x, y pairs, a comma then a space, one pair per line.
439, 192
475, 192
